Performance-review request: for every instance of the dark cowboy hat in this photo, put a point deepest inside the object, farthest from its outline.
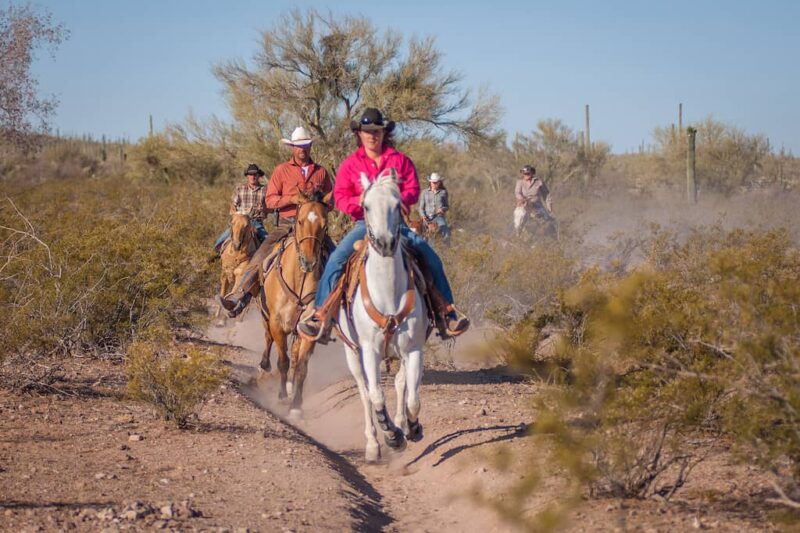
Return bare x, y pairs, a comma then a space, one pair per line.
371, 120
252, 168
528, 170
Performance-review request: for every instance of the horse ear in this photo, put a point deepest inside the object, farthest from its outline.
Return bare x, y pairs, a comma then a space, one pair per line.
299, 199
327, 198
364, 181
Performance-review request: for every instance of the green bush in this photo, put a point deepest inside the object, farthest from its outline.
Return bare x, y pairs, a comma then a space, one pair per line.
89, 263
174, 378
701, 342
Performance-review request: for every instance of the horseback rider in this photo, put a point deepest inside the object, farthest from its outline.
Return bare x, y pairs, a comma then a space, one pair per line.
434, 204
300, 174
248, 198
374, 154
531, 192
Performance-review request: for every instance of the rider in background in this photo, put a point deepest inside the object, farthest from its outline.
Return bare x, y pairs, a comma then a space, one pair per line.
375, 153
434, 204
299, 174
531, 192
248, 198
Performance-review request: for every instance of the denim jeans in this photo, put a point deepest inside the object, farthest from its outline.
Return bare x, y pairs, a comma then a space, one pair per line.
258, 225
338, 259
444, 229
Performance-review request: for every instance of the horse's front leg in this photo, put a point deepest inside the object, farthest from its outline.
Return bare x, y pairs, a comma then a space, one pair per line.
392, 436
373, 450
400, 419
223, 290
413, 382
304, 351
279, 338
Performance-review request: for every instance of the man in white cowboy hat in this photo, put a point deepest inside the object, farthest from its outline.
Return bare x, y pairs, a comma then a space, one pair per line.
299, 173
434, 204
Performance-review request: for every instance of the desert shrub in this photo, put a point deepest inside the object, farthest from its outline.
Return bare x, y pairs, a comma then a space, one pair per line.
89, 263
701, 341
558, 155
174, 378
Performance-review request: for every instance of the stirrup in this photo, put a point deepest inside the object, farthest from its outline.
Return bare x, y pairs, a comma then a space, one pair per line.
306, 329
234, 307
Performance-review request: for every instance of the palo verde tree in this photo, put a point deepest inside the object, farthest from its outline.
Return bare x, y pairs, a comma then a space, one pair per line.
22, 111
321, 71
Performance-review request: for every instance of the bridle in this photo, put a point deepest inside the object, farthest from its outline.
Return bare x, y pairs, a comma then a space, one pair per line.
370, 232
304, 266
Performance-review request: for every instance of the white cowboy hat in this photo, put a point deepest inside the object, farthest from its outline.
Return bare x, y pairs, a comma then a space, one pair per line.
435, 178
300, 137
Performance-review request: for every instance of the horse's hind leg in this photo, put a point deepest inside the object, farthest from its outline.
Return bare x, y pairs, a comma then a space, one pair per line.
413, 382
373, 450
265, 364
400, 419
300, 364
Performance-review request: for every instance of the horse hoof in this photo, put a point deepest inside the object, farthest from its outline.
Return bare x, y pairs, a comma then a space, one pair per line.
220, 323
282, 396
414, 433
295, 415
397, 441
265, 366
372, 454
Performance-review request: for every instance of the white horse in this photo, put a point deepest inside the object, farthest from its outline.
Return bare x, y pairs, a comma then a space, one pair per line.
520, 218
391, 292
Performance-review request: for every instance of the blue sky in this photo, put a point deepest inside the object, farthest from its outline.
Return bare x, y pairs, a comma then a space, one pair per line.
632, 61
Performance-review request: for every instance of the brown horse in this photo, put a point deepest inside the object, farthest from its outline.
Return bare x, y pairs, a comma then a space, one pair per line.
235, 254
288, 288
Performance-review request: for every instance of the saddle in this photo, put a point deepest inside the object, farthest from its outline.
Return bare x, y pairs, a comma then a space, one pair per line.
354, 276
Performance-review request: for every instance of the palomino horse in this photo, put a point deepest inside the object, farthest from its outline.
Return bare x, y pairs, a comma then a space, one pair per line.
288, 288
235, 254
386, 294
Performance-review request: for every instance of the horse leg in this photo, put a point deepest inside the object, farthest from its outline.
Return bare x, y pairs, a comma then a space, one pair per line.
265, 364
223, 290
373, 450
400, 419
413, 381
279, 338
304, 351
392, 436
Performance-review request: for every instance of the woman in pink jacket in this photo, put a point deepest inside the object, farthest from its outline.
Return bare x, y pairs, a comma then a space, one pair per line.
375, 154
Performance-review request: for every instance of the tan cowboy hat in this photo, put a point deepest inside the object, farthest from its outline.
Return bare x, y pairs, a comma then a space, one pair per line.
435, 178
300, 137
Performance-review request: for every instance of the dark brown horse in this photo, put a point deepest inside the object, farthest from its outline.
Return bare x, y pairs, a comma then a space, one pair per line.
288, 288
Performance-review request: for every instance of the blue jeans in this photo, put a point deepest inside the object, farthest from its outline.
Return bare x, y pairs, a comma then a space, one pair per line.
258, 225
444, 229
338, 259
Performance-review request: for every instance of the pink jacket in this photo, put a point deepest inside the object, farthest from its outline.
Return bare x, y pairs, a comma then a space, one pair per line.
347, 190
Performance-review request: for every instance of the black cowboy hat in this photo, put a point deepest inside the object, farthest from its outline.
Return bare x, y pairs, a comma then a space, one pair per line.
252, 168
371, 120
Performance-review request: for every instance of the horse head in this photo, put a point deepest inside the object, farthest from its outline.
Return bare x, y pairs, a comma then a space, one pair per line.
382, 216
240, 230
310, 227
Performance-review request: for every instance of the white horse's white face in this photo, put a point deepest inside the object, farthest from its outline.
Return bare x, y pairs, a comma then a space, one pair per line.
382, 211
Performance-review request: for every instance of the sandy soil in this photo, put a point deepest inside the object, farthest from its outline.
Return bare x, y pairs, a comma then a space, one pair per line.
89, 460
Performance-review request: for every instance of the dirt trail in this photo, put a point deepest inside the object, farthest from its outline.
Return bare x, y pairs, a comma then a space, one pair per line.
472, 415
428, 486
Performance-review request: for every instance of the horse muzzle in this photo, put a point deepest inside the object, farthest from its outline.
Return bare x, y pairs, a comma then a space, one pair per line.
386, 247
306, 265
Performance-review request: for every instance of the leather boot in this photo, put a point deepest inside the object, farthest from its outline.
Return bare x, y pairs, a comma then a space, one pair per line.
449, 321
316, 326
237, 301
